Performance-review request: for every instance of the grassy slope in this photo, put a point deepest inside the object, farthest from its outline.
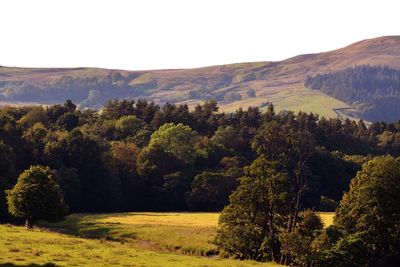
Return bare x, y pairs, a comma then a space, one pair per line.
301, 99
20, 247
184, 233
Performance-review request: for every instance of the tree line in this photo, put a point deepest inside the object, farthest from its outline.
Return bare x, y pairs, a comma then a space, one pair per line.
136, 155
373, 90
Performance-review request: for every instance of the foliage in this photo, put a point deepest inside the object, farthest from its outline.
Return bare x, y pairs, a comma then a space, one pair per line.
70, 184
101, 189
226, 137
372, 207
297, 244
68, 121
7, 173
327, 204
377, 88
348, 251
210, 191
108, 160
36, 196
128, 126
248, 225
175, 139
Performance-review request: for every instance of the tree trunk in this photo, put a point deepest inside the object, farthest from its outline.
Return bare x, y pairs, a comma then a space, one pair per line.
29, 223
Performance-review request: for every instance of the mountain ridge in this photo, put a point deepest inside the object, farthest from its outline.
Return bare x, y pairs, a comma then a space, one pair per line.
233, 85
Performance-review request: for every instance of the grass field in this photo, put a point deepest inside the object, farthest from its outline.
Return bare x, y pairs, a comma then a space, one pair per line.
121, 239
301, 99
183, 233
20, 247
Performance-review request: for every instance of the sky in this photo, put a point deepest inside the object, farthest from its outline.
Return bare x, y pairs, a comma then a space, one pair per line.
163, 34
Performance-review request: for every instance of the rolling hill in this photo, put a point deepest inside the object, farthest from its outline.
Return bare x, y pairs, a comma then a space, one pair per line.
235, 85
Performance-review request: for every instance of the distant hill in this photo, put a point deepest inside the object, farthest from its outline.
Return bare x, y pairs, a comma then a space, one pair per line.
372, 90
235, 85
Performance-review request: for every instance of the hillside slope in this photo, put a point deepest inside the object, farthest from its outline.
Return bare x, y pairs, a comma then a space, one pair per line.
373, 90
232, 85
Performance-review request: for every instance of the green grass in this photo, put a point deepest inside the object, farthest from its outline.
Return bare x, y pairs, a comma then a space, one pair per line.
183, 233
20, 247
121, 239
301, 99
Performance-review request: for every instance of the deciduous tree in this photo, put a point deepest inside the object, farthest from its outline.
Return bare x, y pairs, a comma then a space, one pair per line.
36, 196
372, 207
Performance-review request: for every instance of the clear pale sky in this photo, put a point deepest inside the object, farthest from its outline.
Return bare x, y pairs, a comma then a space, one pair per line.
151, 34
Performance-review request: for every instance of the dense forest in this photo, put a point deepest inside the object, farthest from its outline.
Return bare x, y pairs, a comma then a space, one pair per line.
136, 156
373, 90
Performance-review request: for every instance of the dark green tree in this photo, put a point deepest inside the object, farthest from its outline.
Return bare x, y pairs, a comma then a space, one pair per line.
332, 249
210, 191
125, 156
227, 137
250, 224
115, 109
291, 150
297, 244
372, 207
68, 121
71, 186
7, 177
100, 184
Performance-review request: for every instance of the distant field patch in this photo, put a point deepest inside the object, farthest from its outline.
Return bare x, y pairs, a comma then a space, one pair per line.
191, 219
307, 100
301, 99
327, 218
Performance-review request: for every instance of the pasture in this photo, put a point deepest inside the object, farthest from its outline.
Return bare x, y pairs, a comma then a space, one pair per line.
298, 99
120, 239
179, 232
20, 247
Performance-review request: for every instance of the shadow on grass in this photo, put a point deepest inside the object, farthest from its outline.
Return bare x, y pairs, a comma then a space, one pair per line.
27, 265
93, 226
89, 226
